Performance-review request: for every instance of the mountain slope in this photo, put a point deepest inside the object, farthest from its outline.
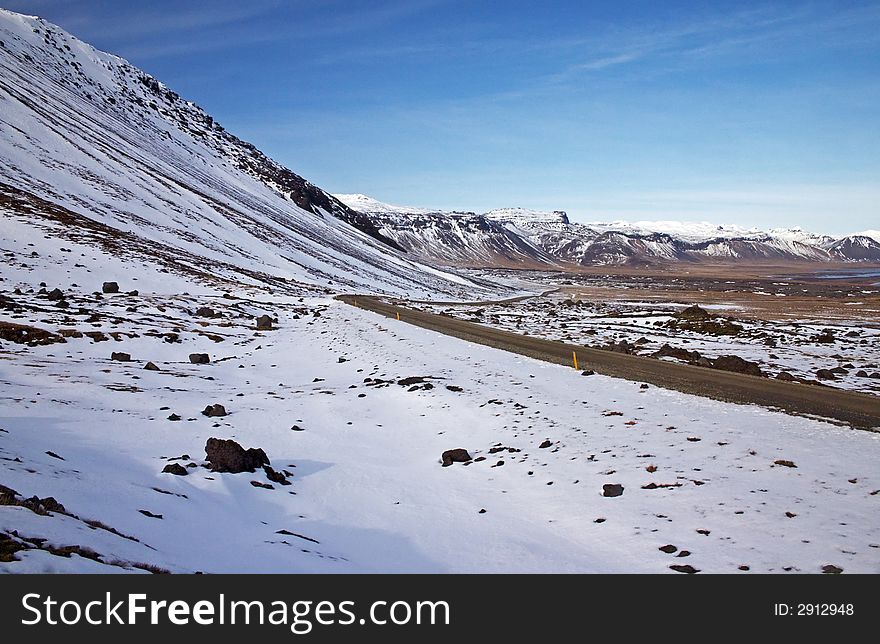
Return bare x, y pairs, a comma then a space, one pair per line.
97, 138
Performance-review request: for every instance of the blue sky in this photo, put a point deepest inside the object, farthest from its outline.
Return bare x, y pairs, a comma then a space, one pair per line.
758, 114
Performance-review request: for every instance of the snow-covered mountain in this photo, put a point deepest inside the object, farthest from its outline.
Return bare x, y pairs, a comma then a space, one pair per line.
450, 238
552, 237
95, 150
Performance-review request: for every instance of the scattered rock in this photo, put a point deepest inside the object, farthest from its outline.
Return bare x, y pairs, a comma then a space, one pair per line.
55, 295
825, 374
110, 287
588, 372
206, 312
199, 358
149, 514
785, 376
612, 489
151, 367
686, 568
668, 549
264, 323
214, 411
831, 569
174, 417
121, 357
545, 444
175, 468
275, 476
784, 463
265, 486
457, 455
229, 456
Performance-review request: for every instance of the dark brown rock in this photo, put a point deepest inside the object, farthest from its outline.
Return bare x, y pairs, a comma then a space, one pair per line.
121, 357
175, 468
275, 476
612, 489
693, 313
110, 287
151, 367
199, 358
229, 456
214, 411
686, 568
737, 365
264, 323
458, 455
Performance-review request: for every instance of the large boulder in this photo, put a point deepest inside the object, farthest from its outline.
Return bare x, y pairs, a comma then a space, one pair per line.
458, 455
737, 365
228, 456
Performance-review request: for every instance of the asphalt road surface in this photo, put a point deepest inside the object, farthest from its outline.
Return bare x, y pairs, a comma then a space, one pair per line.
856, 409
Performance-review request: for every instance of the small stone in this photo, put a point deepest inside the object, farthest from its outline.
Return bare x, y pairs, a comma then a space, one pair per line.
612, 490
199, 358
831, 569
110, 287
668, 549
784, 463
264, 323
150, 366
121, 357
174, 417
545, 444
175, 468
687, 569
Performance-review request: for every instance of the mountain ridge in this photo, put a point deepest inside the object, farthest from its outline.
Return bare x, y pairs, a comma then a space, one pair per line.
628, 243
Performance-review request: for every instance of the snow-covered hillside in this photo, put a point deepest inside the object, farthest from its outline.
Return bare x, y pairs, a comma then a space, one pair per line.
91, 145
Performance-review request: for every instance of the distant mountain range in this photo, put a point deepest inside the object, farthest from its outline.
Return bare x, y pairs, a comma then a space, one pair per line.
520, 237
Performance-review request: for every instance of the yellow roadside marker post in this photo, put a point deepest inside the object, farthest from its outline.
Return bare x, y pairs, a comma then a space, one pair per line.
398, 315
574, 359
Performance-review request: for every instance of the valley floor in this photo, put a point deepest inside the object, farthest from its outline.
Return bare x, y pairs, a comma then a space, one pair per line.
728, 488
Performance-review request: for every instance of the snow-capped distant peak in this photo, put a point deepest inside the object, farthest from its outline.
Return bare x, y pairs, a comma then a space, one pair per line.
873, 234
366, 204
524, 216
